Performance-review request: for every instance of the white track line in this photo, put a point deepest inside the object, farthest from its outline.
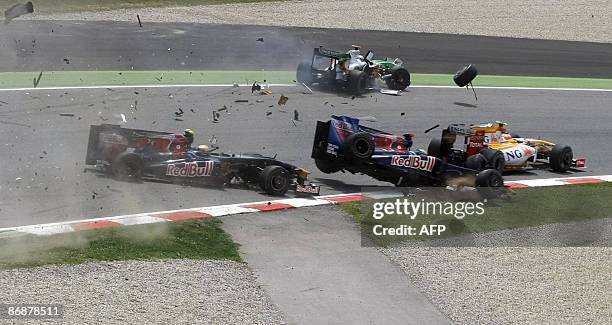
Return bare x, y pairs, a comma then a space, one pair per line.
286, 85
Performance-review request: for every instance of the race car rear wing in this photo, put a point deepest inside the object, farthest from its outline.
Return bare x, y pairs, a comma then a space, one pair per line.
103, 134
321, 51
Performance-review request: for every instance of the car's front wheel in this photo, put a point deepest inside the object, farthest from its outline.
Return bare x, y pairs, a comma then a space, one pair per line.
399, 79
274, 180
561, 157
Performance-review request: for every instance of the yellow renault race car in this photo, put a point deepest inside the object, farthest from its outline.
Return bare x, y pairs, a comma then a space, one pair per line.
490, 145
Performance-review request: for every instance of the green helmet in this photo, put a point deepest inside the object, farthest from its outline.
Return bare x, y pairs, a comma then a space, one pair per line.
188, 133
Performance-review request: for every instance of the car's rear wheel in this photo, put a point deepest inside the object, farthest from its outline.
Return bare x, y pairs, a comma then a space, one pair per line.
561, 157
358, 82
399, 80
304, 73
274, 180
328, 166
358, 146
128, 167
495, 159
476, 162
490, 183
434, 148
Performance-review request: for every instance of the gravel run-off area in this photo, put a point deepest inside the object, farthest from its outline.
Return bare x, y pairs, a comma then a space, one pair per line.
500, 285
577, 20
138, 292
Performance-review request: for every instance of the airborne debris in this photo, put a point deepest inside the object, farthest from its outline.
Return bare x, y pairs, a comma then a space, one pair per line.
179, 112
139, 22
18, 10
66, 60
391, 92
283, 100
66, 114
308, 90
216, 116
241, 101
224, 108
268, 113
255, 87
259, 39
296, 115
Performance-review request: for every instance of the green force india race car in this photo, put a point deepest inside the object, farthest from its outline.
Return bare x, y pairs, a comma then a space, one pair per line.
352, 71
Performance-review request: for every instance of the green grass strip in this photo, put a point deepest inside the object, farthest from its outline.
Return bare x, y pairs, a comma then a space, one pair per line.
522, 208
195, 239
208, 77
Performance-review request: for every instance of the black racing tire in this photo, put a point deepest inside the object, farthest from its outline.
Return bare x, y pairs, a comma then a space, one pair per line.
274, 180
476, 162
495, 159
128, 167
328, 166
490, 183
358, 82
304, 73
465, 75
561, 157
399, 80
358, 146
434, 148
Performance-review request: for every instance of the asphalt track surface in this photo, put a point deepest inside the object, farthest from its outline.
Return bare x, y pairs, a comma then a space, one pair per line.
43, 178
70, 45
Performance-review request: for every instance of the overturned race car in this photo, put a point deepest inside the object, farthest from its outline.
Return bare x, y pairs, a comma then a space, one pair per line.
490, 145
343, 144
131, 154
352, 71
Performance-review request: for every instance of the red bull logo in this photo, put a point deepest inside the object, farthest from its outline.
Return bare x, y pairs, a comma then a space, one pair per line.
191, 169
415, 162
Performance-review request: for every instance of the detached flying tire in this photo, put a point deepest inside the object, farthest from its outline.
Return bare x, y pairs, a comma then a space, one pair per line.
328, 166
399, 80
358, 82
561, 157
489, 183
464, 76
304, 73
274, 180
358, 146
128, 167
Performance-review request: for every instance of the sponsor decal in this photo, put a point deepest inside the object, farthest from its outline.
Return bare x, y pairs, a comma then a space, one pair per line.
191, 169
112, 138
415, 162
310, 189
341, 125
332, 149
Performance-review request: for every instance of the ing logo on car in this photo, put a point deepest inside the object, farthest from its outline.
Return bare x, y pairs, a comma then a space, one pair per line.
191, 169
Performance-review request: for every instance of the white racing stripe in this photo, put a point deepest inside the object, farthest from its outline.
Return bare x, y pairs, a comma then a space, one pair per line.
285, 85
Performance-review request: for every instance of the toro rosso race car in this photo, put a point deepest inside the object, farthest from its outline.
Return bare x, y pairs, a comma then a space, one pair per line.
352, 71
490, 145
343, 144
130, 154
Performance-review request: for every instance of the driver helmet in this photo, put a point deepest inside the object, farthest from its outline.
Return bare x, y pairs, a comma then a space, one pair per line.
188, 133
203, 149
